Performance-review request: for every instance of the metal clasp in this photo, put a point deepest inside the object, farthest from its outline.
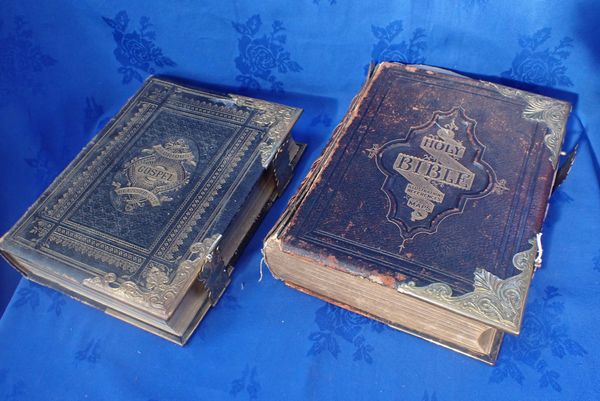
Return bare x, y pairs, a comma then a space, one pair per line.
214, 273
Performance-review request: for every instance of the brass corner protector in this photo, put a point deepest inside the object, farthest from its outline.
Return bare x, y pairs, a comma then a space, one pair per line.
552, 113
499, 302
158, 294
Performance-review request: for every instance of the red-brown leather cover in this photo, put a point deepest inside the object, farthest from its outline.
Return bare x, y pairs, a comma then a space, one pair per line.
436, 185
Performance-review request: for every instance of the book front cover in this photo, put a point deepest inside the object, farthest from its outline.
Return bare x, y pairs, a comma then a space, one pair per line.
437, 187
151, 193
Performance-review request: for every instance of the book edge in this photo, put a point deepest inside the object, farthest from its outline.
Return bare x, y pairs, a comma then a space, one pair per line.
554, 114
276, 137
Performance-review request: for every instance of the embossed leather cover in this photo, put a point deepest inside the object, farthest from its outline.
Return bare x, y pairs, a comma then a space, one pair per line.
434, 185
144, 222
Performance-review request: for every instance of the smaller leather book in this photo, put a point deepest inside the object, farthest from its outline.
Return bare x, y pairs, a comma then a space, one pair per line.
424, 210
146, 221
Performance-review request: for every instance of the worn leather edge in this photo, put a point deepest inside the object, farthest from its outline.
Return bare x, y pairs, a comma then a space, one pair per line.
316, 167
278, 232
9, 247
490, 358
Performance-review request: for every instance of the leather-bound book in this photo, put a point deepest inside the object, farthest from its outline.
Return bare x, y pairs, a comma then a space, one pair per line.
146, 221
425, 208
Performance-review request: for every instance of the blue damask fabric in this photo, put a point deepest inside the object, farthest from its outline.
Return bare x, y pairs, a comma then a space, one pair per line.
66, 67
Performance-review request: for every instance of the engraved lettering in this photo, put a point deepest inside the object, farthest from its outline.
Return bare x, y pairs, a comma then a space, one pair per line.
424, 192
152, 177
421, 204
150, 171
442, 167
433, 170
454, 150
403, 162
465, 179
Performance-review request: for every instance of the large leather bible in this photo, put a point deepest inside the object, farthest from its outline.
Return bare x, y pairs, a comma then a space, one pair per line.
424, 211
146, 221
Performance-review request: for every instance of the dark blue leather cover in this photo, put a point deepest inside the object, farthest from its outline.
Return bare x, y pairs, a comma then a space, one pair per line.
133, 216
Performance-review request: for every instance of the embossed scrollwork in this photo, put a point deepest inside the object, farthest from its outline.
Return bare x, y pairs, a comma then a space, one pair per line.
493, 299
276, 118
158, 295
548, 111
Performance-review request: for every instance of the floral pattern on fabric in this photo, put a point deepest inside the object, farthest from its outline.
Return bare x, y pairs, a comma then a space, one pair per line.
339, 324
540, 65
21, 60
543, 337
262, 58
33, 295
388, 48
247, 383
136, 51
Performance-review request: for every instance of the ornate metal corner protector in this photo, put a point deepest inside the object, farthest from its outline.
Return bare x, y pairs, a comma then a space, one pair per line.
550, 112
158, 295
276, 118
494, 300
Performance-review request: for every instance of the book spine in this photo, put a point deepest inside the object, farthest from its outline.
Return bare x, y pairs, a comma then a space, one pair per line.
329, 150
